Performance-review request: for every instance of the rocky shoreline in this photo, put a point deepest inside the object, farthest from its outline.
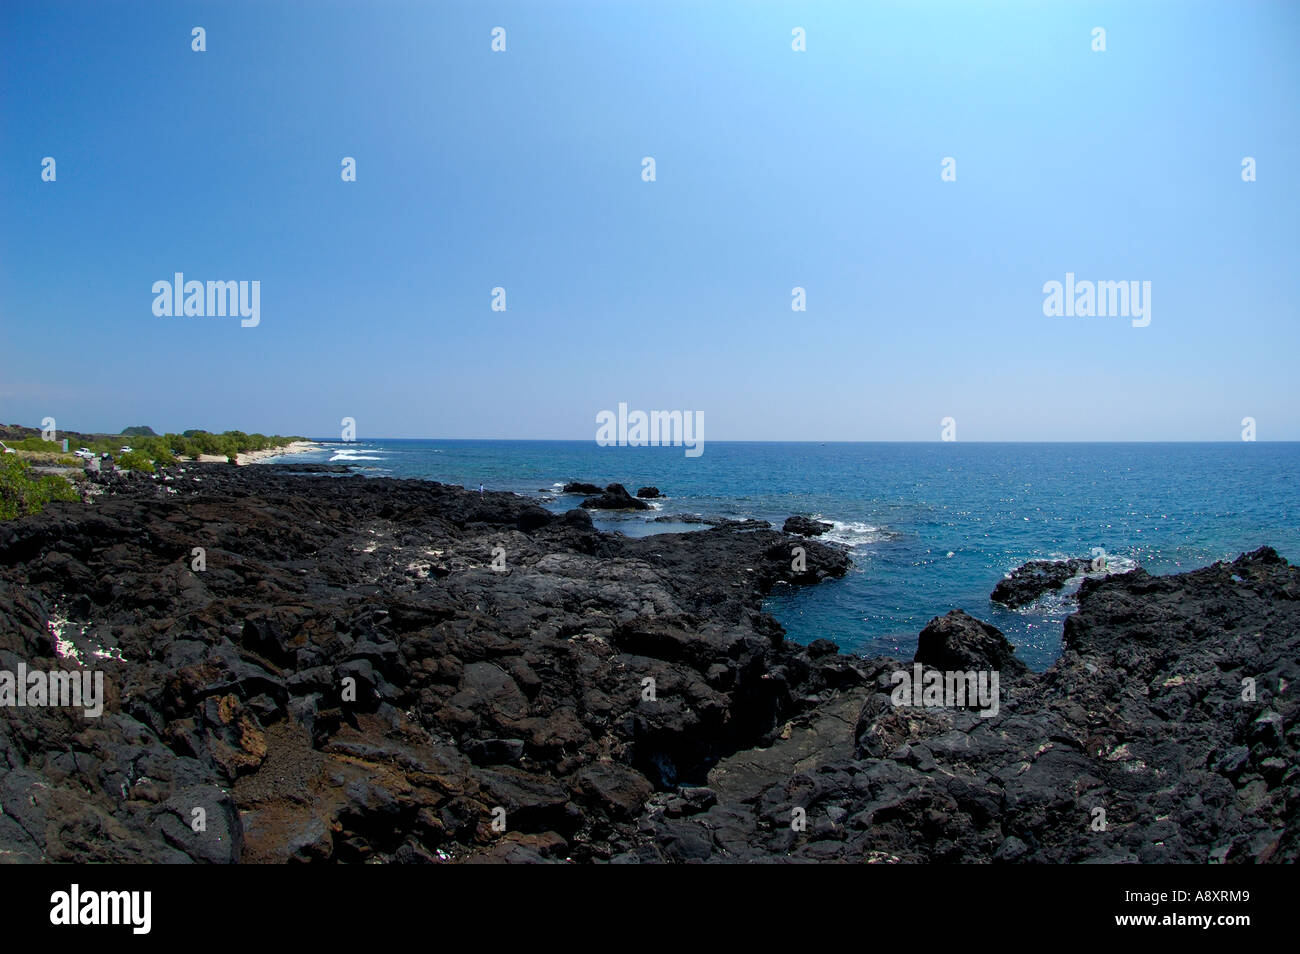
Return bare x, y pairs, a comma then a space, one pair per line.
324, 667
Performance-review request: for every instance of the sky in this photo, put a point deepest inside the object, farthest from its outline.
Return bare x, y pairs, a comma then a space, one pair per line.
774, 169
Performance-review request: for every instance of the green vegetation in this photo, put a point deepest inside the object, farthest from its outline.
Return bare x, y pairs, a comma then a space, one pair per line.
229, 444
169, 448
150, 451
135, 460
37, 444
165, 450
21, 493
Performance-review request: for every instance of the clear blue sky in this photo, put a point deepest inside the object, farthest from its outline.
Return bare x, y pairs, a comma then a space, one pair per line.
775, 169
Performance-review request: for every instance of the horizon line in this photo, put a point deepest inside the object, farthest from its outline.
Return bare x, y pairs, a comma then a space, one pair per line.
576, 440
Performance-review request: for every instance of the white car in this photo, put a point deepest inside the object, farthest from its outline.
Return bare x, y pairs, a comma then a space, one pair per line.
85, 453
124, 450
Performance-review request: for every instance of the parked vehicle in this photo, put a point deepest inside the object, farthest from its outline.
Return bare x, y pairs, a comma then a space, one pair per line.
124, 450
85, 453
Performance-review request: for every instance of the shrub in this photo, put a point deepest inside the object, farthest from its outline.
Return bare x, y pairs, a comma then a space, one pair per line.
135, 460
36, 444
21, 493
156, 449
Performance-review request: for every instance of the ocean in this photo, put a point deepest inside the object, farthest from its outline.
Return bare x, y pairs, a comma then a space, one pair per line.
931, 527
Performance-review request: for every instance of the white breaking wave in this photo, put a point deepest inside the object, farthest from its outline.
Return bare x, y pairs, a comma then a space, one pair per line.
1054, 603
854, 533
351, 455
1065, 601
1115, 564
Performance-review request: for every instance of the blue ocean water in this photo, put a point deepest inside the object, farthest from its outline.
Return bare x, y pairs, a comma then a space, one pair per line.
931, 526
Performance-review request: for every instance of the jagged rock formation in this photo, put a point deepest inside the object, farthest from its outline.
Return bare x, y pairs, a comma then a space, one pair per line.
500, 656
381, 669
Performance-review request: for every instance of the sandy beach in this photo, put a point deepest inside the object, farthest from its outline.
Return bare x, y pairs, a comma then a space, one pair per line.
252, 457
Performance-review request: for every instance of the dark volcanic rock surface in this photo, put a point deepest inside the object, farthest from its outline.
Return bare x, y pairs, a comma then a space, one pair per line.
746, 524
365, 669
960, 641
1031, 580
1165, 733
374, 669
615, 497
806, 526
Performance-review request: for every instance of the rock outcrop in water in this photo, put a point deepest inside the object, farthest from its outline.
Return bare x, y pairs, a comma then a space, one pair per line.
960, 641
1031, 580
383, 669
807, 527
614, 497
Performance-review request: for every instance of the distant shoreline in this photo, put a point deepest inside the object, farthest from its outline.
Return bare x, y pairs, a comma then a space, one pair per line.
252, 457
